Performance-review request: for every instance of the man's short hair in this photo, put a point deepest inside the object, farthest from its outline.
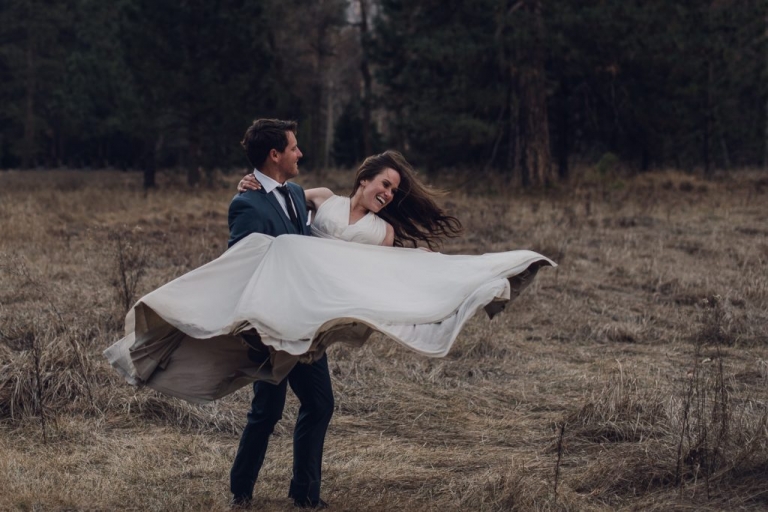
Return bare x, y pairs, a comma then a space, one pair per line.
265, 135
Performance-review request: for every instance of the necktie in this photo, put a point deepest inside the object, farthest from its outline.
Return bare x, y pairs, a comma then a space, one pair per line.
289, 206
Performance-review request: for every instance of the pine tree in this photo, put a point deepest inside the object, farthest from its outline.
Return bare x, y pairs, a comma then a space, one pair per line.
441, 84
31, 58
203, 71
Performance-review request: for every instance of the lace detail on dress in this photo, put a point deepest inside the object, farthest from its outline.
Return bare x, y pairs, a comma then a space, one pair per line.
332, 221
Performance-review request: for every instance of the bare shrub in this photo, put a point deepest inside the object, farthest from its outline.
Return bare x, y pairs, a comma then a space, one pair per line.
130, 261
44, 368
45, 338
718, 438
696, 439
717, 322
705, 428
21, 379
61, 323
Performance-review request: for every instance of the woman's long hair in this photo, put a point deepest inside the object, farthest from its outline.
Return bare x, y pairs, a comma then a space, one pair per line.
413, 213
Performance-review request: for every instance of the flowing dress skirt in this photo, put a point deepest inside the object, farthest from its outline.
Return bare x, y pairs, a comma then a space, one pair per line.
302, 294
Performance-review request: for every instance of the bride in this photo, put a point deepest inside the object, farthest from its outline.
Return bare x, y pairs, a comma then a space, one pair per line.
300, 294
389, 206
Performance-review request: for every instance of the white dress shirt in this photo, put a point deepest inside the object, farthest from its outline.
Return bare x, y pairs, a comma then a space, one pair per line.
269, 185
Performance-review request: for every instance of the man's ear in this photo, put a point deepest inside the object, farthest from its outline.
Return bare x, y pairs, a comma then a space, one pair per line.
274, 154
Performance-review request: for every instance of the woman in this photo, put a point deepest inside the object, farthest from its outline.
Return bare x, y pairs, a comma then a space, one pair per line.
302, 294
388, 206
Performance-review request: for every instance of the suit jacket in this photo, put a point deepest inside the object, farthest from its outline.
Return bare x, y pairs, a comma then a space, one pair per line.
256, 211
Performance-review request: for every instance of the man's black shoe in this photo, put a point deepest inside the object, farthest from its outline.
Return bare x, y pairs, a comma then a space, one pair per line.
307, 503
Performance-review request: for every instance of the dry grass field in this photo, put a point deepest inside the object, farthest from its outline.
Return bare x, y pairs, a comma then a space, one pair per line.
632, 377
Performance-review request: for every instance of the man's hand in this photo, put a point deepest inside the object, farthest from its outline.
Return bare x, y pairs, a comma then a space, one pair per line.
249, 182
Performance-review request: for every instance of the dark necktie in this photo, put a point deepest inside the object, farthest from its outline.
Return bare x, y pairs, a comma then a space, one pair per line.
289, 206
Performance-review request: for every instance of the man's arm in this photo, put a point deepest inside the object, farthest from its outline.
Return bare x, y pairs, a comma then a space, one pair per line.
243, 220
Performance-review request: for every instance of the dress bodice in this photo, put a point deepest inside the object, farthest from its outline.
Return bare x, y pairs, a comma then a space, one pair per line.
332, 221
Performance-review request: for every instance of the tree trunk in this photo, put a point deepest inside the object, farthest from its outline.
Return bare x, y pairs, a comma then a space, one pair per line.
645, 152
535, 157
329, 116
723, 143
60, 148
365, 71
503, 62
316, 124
707, 150
149, 175
318, 155
499, 136
28, 147
535, 153
563, 128
193, 158
513, 145
193, 163
150, 166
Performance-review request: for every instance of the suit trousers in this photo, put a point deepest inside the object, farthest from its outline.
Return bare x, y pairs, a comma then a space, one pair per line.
312, 385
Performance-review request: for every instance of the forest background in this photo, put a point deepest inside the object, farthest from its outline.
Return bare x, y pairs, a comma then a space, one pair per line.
524, 87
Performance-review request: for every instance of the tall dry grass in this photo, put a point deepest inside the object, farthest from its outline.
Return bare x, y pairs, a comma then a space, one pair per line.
633, 376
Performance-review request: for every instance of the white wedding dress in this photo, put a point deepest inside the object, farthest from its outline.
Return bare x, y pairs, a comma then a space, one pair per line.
301, 294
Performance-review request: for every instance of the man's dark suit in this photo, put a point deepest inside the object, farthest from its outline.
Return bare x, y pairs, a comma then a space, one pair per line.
258, 212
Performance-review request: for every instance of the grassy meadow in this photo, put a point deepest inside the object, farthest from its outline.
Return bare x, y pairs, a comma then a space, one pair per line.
632, 377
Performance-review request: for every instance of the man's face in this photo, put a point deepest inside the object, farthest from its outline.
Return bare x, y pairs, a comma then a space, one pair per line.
288, 160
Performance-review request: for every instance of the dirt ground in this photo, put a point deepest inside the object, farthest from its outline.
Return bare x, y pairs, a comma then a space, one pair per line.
632, 377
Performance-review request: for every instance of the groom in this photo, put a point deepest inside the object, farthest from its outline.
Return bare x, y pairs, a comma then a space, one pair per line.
279, 208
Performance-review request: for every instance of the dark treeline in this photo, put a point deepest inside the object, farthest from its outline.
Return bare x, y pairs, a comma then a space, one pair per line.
522, 86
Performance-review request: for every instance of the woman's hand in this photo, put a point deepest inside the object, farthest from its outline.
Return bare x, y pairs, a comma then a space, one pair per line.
249, 182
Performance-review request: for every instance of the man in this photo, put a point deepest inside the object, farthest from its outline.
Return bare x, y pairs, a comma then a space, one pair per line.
279, 208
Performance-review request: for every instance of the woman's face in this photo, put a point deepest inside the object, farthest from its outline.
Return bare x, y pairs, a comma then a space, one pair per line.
379, 191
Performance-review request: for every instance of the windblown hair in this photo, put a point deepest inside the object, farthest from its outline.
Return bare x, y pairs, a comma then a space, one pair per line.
265, 135
413, 213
